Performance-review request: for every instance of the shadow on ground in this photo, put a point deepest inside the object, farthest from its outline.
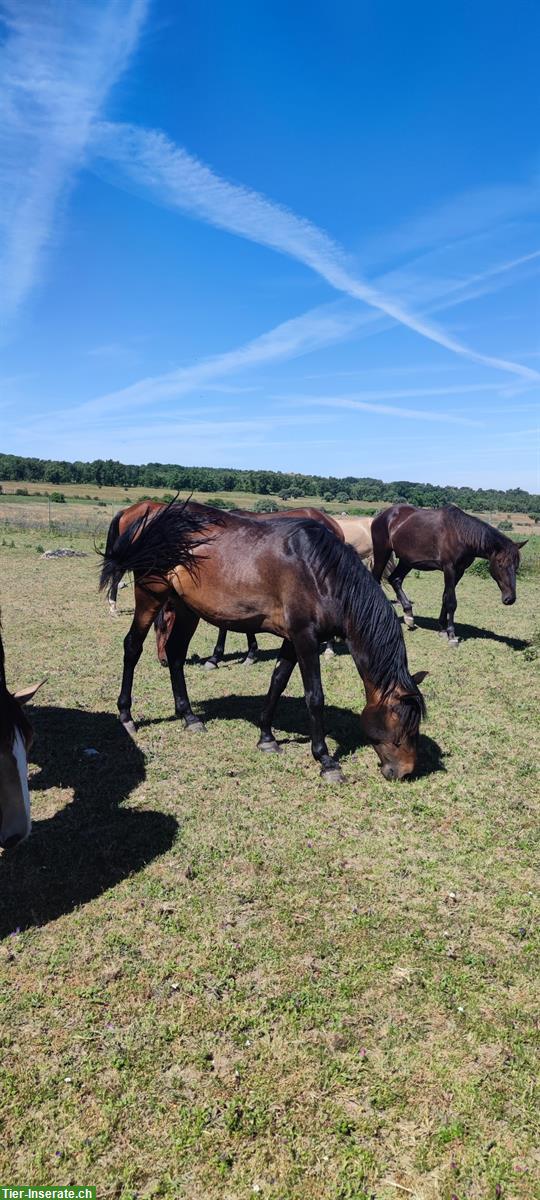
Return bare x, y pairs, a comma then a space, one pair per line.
473, 631
291, 719
92, 843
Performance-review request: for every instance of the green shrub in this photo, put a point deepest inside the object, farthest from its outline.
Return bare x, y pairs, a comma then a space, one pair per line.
57, 498
266, 505
505, 525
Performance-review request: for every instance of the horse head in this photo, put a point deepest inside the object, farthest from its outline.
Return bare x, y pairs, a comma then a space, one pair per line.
15, 742
392, 726
503, 564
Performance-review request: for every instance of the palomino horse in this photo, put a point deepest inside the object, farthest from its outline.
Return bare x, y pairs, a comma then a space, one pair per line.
290, 578
15, 741
165, 618
441, 539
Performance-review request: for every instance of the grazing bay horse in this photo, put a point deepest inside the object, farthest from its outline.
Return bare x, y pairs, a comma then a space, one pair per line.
165, 618
441, 539
291, 578
15, 742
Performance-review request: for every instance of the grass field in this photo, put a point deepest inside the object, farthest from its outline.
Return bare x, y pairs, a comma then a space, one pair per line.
221, 977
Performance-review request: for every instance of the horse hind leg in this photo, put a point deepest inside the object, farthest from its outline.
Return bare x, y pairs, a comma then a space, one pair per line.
212, 663
177, 646
146, 608
252, 651
396, 580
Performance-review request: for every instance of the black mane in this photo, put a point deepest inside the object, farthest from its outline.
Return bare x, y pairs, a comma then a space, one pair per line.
362, 611
479, 536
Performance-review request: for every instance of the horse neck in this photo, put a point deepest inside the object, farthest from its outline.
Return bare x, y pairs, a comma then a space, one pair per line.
497, 541
361, 659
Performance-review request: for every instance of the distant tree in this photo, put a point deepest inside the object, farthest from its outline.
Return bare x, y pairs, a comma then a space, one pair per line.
266, 506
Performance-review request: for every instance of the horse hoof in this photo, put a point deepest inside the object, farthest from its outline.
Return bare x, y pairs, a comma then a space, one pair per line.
129, 727
269, 747
410, 623
329, 653
196, 727
209, 665
453, 641
442, 633
249, 662
332, 775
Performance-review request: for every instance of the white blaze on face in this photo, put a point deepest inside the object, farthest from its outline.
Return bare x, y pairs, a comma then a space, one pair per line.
15, 819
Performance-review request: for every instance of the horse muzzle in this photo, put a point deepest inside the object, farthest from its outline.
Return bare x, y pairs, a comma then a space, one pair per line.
509, 599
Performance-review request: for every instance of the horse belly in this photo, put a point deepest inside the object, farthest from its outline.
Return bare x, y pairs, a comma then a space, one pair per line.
232, 602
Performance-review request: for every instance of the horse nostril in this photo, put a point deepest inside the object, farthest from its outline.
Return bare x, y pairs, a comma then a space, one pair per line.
388, 771
509, 600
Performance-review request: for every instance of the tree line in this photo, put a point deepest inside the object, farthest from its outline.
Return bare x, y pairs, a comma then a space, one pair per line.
286, 485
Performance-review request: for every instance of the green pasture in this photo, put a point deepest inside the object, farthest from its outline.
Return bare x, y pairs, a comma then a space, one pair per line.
221, 977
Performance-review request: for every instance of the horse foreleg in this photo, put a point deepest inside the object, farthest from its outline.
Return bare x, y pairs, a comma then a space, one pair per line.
146, 608
219, 649
396, 580
307, 649
280, 677
177, 647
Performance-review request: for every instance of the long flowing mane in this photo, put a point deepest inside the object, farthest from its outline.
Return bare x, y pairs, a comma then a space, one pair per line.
477, 534
363, 612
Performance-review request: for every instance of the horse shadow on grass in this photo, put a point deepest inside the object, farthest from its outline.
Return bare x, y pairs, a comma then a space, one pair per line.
292, 719
92, 843
473, 631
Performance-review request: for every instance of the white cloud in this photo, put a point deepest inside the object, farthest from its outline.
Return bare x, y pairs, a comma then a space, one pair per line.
147, 160
57, 62
387, 410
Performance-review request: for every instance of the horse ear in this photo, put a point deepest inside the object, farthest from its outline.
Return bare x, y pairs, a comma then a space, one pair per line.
419, 676
520, 545
26, 694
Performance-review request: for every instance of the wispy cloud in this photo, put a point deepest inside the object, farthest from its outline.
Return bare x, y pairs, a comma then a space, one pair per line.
316, 328
57, 62
386, 410
460, 218
149, 162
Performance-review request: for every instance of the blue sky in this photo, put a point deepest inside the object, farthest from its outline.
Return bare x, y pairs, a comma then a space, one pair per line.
294, 236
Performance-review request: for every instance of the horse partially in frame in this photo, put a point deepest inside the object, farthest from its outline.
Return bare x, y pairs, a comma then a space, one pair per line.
288, 577
441, 539
15, 742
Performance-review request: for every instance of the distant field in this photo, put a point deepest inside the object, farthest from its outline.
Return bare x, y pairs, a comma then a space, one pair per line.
89, 510
222, 978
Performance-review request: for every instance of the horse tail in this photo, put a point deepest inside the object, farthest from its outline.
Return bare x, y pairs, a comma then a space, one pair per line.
111, 583
157, 543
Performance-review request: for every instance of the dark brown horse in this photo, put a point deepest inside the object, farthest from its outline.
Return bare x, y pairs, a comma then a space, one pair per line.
15, 741
291, 578
166, 616
441, 539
